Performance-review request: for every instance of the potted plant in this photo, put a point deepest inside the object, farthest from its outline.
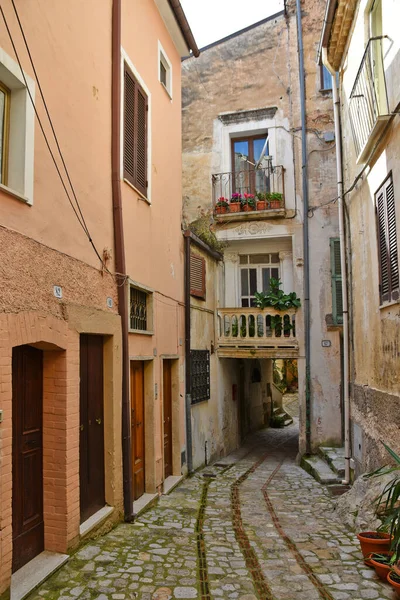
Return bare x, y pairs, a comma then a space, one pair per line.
248, 202
372, 542
222, 206
394, 580
275, 200
261, 202
381, 563
235, 203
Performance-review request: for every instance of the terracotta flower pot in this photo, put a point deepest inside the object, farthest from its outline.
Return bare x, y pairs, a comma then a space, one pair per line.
221, 210
274, 203
235, 207
371, 541
247, 208
381, 569
393, 583
261, 205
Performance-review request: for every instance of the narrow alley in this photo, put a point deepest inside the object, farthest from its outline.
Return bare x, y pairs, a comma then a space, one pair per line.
254, 525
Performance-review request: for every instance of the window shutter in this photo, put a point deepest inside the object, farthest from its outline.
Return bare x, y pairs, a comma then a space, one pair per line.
135, 132
336, 274
197, 276
387, 243
129, 126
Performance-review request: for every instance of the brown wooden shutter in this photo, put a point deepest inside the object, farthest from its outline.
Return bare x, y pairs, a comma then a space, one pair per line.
135, 132
387, 243
197, 276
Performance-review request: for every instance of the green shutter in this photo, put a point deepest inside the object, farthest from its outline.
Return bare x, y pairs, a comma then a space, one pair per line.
336, 274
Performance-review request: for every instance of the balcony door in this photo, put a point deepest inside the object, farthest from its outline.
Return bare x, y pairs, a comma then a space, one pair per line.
256, 271
376, 57
246, 152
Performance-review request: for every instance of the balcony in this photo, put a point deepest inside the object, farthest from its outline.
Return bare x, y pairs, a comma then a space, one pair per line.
368, 104
259, 194
251, 332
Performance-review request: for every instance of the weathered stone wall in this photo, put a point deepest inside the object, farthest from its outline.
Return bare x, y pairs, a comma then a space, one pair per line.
258, 71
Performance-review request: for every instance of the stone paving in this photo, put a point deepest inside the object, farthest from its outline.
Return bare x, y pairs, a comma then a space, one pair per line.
253, 527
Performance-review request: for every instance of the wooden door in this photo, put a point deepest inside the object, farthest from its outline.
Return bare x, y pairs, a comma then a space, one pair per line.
167, 403
91, 449
137, 425
27, 477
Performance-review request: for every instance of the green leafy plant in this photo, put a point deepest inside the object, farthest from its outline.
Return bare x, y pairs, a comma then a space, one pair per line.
275, 196
222, 202
276, 298
262, 196
277, 421
249, 200
203, 228
388, 503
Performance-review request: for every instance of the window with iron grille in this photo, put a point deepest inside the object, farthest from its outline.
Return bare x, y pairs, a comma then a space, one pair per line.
200, 375
139, 313
389, 288
336, 275
135, 132
197, 276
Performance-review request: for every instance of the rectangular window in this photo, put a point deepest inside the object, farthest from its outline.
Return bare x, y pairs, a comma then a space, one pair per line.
336, 276
256, 278
197, 276
389, 288
140, 310
325, 79
246, 154
5, 95
200, 375
135, 132
164, 70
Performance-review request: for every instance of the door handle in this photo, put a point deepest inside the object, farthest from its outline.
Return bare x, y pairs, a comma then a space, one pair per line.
98, 421
81, 427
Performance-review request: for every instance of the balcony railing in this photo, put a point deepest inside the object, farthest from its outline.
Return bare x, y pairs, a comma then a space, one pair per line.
268, 181
257, 328
368, 105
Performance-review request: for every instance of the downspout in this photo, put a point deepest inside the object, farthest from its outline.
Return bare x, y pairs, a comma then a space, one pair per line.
307, 333
342, 238
188, 397
120, 265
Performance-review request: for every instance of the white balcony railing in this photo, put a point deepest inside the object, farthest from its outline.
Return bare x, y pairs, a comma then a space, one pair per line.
257, 328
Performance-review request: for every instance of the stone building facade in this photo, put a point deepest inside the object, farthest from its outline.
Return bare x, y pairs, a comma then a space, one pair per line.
361, 45
245, 88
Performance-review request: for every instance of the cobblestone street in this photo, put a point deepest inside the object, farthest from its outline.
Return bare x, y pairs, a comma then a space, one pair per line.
254, 525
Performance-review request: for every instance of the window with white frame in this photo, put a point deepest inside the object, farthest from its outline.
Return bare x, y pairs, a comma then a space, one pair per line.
256, 271
17, 125
164, 70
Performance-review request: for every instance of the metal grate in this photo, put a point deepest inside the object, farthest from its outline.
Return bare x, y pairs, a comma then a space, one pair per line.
200, 375
138, 309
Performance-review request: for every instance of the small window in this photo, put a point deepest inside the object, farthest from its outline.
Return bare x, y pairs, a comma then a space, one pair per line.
257, 277
164, 71
135, 132
325, 79
336, 276
197, 276
389, 288
4, 131
200, 375
140, 310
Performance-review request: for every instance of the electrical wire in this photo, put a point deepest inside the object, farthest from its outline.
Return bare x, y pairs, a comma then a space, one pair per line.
77, 211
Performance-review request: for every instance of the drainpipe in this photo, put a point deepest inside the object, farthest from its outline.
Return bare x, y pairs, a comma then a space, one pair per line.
307, 333
188, 398
120, 265
339, 172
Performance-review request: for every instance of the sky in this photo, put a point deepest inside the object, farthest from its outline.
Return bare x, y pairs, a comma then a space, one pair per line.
211, 20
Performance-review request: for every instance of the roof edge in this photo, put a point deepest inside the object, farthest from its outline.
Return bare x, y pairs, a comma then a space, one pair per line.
330, 11
184, 26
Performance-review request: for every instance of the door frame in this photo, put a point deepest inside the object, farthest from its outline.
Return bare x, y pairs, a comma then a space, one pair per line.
175, 413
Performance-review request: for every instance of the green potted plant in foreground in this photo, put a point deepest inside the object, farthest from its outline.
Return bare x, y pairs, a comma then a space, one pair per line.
261, 202
275, 200
221, 206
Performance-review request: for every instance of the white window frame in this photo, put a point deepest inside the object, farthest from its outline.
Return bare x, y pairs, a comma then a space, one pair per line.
149, 307
125, 59
259, 267
20, 181
163, 58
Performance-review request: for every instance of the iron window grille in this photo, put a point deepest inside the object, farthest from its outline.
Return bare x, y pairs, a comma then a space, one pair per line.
200, 375
138, 309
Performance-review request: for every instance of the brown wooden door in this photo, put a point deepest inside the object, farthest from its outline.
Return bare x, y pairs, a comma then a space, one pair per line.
167, 402
27, 492
91, 449
137, 425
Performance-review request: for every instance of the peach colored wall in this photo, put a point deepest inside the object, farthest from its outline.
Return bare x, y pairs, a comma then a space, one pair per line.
156, 229
73, 61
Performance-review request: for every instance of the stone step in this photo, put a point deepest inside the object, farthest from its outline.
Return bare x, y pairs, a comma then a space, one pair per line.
334, 457
319, 469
